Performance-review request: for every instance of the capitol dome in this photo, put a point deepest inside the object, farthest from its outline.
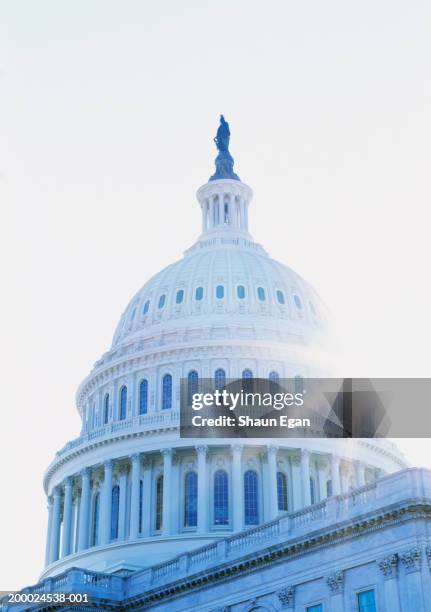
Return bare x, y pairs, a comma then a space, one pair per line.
129, 492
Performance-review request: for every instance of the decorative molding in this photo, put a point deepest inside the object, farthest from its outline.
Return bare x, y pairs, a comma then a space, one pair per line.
286, 595
389, 566
412, 559
335, 582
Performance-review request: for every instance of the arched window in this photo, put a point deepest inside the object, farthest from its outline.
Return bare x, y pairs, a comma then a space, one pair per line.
123, 403
132, 316
280, 296
219, 379
240, 291
282, 492
167, 392
159, 503
299, 384
312, 490
191, 500
143, 396
216, 213
141, 500
199, 293
115, 510
192, 385
247, 381
146, 307
261, 294
329, 488
219, 292
297, 301
106, 409
221, 498
162, 300
95, 522
251, 509
226, 212
180, 296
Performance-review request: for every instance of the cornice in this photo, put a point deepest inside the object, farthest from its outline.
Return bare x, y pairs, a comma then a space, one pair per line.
257, 560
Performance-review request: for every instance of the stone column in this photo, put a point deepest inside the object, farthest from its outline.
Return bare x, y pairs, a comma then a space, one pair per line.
202, 489
134, 497
389, 568
335, 583
412, 561
84, 510
360, 473
167, 490
321, 475
335, 475
237, 500
295, 468
48, 531
122, 508
67, 517
55, 531
105, 507
305, 477
148, 512
272, 481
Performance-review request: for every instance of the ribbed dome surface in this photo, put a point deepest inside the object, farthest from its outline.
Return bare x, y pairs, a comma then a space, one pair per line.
223, 281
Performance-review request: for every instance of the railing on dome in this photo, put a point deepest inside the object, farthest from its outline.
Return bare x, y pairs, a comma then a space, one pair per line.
139, 423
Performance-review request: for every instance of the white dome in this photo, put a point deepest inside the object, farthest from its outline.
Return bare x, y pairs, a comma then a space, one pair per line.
258, 294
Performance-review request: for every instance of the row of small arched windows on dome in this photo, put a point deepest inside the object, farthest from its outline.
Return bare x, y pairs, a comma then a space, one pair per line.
220, 292
221, 506
192, 387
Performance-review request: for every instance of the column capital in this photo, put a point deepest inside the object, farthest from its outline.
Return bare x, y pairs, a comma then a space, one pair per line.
412, 559
271, 449
202, 449
107, 465
167, 453
135, 458
50, 500
305, 452
335, 582
389, 566
286, 595
85, 473
68, 481
56, 492
237, 448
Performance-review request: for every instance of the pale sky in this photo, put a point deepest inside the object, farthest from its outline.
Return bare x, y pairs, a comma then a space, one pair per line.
108, 112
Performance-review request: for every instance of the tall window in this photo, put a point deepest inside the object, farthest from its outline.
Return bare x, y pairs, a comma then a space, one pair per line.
162, 301
240, 291
167, 392
328, 488
280, 296
312, 490
367, 601
216, 213
146, 307
191, 500
282, 492
95, 523
251, 510
297, 301
115, 510
199, 293
247, 381
192, 385
316, 608
159, 503
219, 292
106, 409
141, 500
261, 294
180, 296
226, 212
221, 498
143, 397
123, 402
219, 379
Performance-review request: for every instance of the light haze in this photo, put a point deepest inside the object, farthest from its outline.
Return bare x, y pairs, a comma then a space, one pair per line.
108, 112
